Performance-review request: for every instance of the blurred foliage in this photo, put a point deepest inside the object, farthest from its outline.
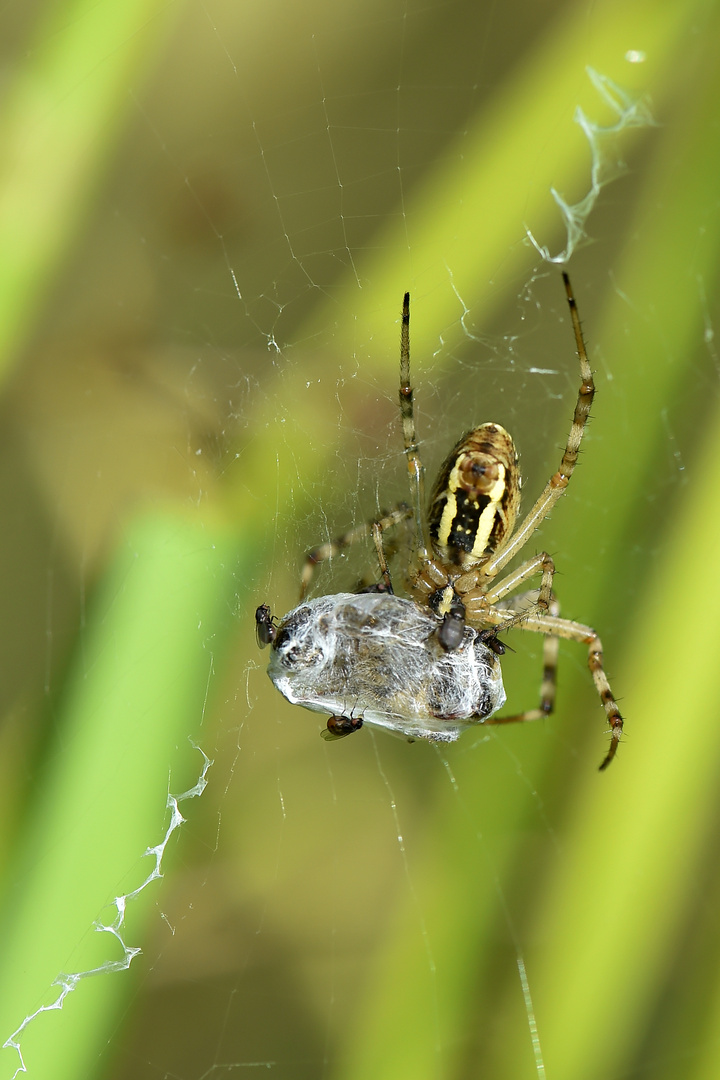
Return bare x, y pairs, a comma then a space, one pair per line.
208, 217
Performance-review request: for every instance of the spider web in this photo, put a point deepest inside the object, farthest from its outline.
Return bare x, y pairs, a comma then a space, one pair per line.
211, 389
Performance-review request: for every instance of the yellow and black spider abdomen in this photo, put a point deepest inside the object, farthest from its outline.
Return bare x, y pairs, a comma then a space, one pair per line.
475, 500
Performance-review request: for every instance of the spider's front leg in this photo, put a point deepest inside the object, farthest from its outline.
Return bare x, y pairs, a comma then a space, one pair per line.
558, 482
478, 599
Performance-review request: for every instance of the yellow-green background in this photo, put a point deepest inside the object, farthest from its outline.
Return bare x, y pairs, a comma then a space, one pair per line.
170, 444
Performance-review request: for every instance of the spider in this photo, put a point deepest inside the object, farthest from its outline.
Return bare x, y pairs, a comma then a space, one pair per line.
428, 666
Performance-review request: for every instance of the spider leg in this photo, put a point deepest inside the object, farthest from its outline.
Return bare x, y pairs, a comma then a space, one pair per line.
558, 482
416, 470
556, 627
549, 681
377, 535
478, 601
326, 551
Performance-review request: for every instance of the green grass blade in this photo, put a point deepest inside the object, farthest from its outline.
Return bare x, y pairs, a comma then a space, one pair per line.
136, 694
